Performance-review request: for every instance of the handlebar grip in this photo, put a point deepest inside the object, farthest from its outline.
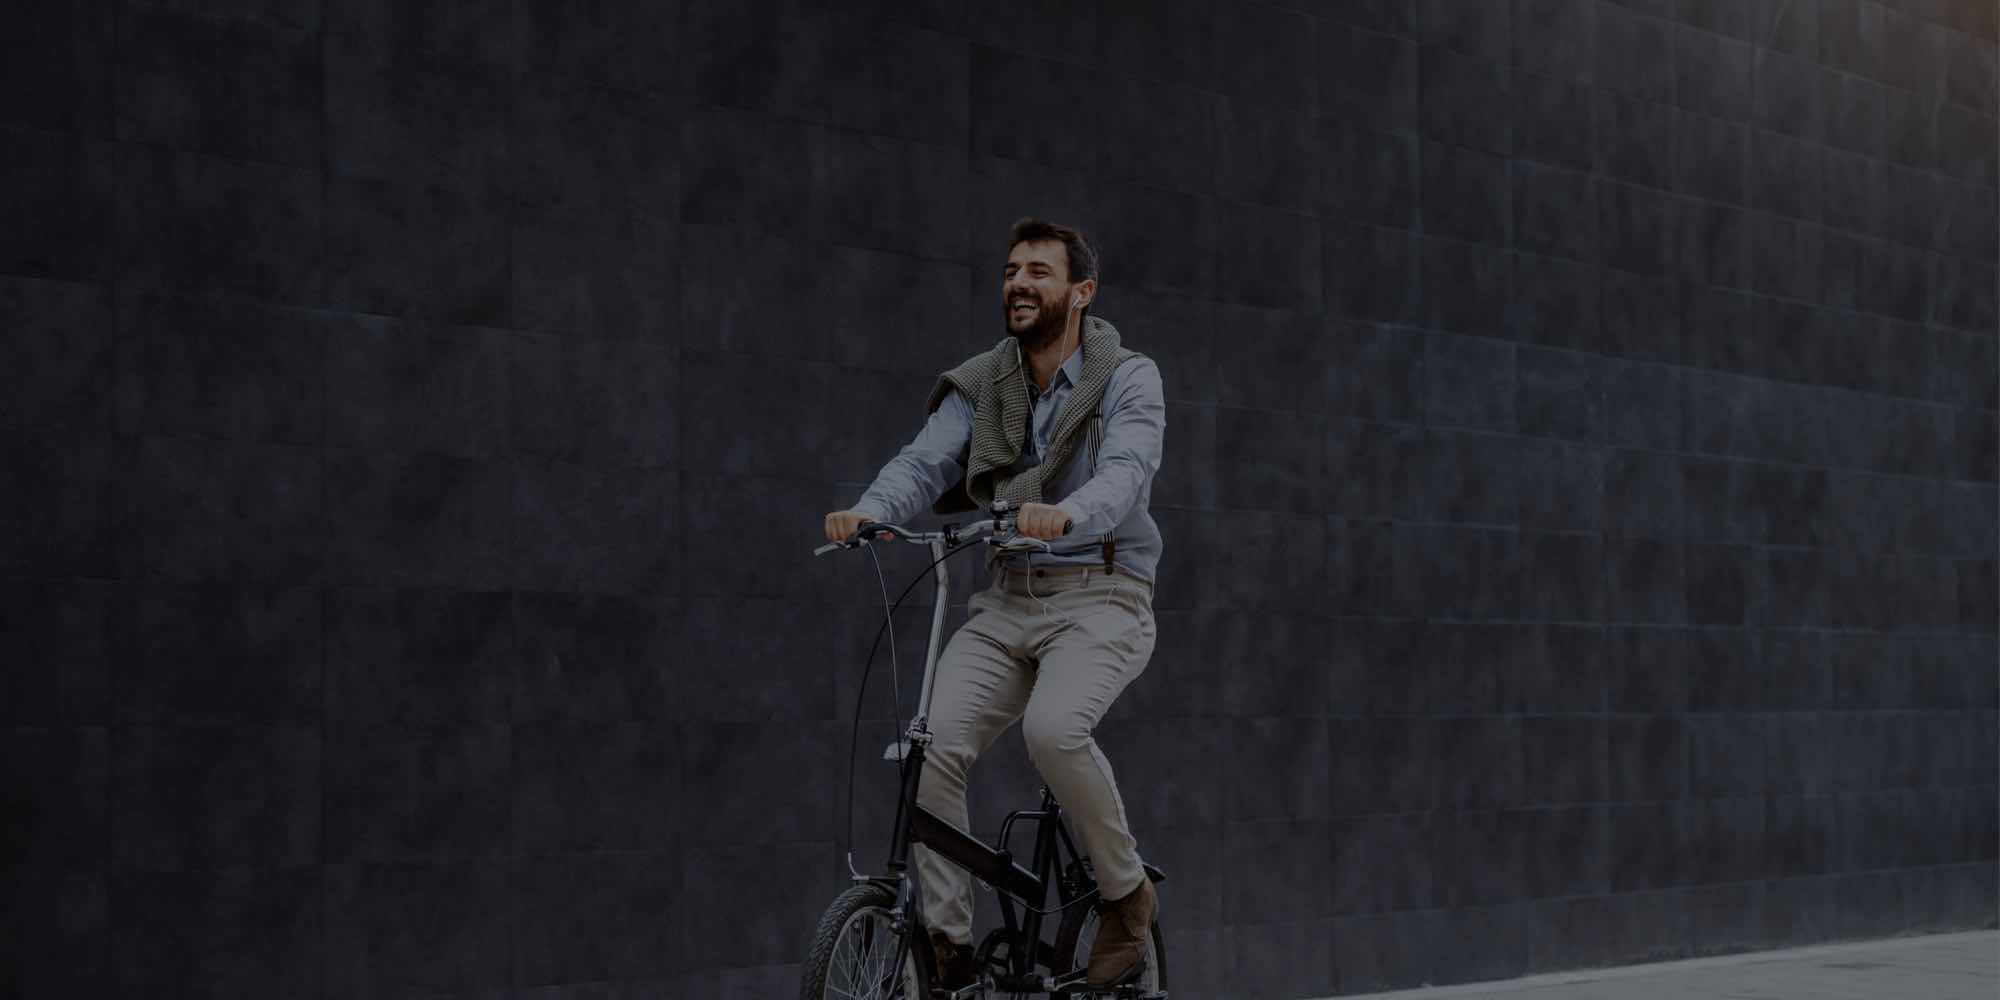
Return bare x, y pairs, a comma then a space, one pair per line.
879, 529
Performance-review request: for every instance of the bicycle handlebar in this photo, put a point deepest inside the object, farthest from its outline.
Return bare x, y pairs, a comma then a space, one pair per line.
999, 529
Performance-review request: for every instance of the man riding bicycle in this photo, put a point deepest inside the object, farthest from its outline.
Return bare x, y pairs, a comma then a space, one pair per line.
1061, 418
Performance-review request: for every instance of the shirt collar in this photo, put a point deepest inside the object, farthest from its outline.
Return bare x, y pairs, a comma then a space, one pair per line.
1070, 370
1072, 367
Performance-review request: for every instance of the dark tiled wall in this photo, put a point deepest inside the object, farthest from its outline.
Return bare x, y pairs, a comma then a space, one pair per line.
1580, 493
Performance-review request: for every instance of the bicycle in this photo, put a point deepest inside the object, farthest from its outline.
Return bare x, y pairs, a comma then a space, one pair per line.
871, 943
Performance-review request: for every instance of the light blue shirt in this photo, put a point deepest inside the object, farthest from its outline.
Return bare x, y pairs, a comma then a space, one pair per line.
1113, 496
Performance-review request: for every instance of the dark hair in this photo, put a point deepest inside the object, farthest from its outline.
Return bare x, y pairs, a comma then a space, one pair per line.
1082, 256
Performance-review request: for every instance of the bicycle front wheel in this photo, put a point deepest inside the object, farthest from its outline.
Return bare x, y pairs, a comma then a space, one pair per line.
856, 951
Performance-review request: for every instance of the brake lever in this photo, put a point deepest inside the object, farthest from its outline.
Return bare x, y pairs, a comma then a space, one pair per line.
852, 543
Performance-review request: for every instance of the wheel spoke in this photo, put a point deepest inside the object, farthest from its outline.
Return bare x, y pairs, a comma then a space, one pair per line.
859, 968
844, 955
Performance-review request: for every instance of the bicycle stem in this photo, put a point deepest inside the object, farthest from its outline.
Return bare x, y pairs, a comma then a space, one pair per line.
921, 724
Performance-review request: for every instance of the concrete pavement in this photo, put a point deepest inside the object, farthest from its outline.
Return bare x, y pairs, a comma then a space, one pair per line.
1963, 966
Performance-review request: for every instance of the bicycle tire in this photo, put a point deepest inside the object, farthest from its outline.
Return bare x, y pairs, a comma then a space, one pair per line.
840, 918
1070, 941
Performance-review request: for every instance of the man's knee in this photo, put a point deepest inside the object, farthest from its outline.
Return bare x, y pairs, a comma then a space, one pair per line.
1052, 733
945, 761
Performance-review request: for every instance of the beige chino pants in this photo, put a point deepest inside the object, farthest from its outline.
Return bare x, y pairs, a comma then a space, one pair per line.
1052, 648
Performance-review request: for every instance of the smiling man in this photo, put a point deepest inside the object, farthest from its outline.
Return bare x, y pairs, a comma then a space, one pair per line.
1062, 418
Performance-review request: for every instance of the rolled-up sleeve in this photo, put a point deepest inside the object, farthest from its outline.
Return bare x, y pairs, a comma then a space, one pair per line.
925, 468
1135, 428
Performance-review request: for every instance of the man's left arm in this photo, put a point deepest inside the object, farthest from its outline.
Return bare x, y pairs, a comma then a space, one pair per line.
1135, 427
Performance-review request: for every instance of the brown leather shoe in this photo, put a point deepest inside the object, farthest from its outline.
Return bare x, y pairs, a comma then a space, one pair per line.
1123, 926
954, 963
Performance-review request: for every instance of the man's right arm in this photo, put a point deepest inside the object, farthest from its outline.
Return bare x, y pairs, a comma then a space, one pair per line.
925, 468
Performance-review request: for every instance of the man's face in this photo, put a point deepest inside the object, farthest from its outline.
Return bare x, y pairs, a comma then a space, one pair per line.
1035, 293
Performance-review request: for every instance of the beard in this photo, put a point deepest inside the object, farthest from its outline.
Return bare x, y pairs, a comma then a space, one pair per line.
1045, 329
